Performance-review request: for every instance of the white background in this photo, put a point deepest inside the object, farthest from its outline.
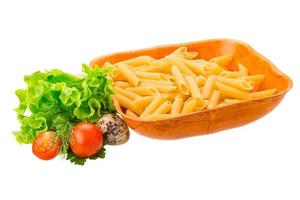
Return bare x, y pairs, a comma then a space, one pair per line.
256, 161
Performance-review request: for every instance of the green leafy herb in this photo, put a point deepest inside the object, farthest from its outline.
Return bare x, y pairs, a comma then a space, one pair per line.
81, 161
55, 100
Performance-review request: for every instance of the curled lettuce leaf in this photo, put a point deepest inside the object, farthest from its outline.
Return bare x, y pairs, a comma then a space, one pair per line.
55, 100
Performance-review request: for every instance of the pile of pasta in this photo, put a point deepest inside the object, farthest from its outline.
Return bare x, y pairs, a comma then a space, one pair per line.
178, 84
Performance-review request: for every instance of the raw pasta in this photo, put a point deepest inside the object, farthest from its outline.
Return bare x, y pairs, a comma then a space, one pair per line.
181, 83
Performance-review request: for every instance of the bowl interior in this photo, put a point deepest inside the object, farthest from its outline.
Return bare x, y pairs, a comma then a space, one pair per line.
242, 54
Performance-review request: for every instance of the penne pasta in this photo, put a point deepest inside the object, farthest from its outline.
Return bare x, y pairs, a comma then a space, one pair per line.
139, 68
130, 95
236, 83
157, 89
209, 86
152, 76
131, 114
138, 61
161, 88
193, 87
212, 69
214, 100
155, 117
144, 91
256, 79
128, 74
222, 61
232, 92
229, 74
177, 105
169, 83
189, 106
263, 94
180, 50
191, 55
180, 65
200, 80
243, 70
122, 84
156, 68
201, 104
126, 103
157, 101
183, 88
163, 108
232, 101
108, 64
142, 102
197, 68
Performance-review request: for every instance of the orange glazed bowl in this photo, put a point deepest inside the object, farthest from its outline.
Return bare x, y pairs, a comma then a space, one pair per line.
209, 121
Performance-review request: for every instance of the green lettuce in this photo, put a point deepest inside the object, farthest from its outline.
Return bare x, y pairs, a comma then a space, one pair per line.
55, 100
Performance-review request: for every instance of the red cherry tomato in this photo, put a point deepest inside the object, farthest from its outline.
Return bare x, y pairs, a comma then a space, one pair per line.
86, 139
46, 145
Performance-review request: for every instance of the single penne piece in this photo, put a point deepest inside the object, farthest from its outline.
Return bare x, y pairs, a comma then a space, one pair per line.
223, 61
155, 117
201, 104
193, 87
214, 100
232, 92
116, 75
177, 106
200, 61
131, 114
142, 102
152, 76
161, 63
139, 68
126, 103
189, 106
180, 65
165, 88
257, 79
137, 61
157, 101
160, 88
209, 86
177, 94
179, 80
236, 83
163, 108
243, 70
121, 84
144, 90
159, 82
263, 94
232, 101
156, 68
222, 104
126, 93
108, 64
191, 55
171, 95
200, 80
180, 95
181, 50
230, 74
128, 74
212, 69
227, 102
197, 68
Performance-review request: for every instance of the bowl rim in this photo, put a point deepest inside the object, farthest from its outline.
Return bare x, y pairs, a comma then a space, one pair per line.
250, 48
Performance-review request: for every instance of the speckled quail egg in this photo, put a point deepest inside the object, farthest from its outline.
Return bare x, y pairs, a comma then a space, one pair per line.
113, 128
